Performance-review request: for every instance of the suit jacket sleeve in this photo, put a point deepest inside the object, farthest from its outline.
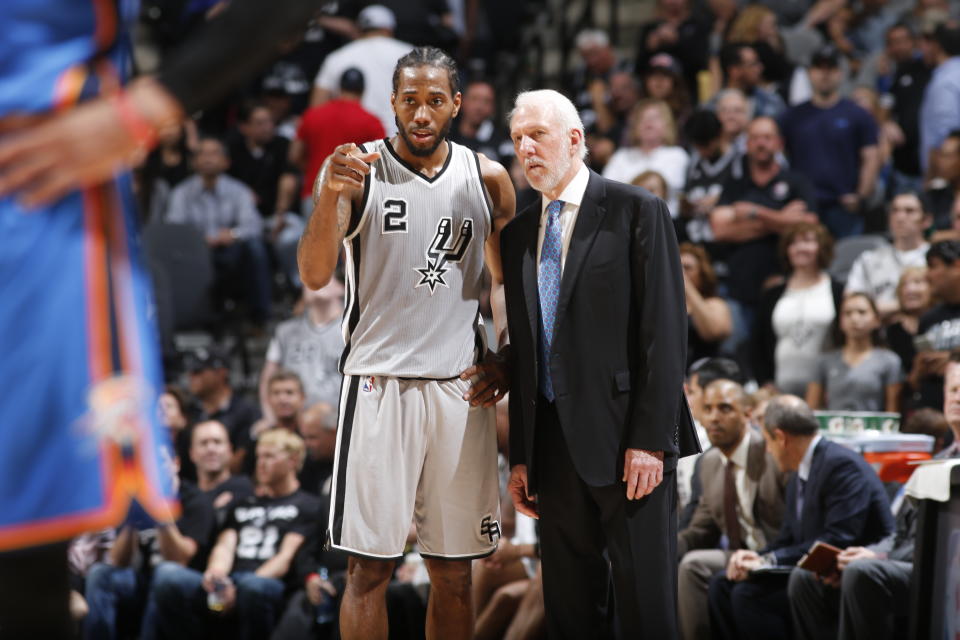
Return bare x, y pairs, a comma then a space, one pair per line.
845, 508
703, 532
662, 341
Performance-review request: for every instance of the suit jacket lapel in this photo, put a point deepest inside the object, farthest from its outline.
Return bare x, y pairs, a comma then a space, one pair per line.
755, 455
531, 290
588, 223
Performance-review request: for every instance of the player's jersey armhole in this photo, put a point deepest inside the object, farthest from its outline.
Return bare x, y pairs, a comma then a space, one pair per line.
358, 217
487, 200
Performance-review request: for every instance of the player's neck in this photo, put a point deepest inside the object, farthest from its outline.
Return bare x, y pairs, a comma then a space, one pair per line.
429, 165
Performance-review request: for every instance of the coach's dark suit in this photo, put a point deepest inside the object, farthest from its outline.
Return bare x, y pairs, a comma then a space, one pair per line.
617, 366
844, 504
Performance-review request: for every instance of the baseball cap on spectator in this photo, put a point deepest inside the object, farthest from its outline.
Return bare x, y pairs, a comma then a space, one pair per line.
206, 358
376, 16
930, 20
664, 63
352, 81
827, 56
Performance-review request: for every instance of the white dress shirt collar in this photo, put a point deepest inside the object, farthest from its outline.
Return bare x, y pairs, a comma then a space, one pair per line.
572, 194
804, 470
739, 455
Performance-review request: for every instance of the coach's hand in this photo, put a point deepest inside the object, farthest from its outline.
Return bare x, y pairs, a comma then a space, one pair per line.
642, 471
519, 490
492, 380
349, 167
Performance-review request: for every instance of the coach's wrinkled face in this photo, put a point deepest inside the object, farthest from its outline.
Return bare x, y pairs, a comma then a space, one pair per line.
543, 148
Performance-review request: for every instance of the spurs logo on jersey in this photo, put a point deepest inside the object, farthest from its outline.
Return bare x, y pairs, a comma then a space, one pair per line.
414, 268
441, 251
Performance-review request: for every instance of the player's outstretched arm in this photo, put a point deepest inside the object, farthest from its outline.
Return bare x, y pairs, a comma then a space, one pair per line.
492, 379
337, 194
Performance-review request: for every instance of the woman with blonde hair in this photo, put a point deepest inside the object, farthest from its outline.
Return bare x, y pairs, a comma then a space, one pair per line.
915, 299
652, 145
709, 319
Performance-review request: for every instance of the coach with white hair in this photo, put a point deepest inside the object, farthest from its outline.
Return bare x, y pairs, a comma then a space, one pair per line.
598, 419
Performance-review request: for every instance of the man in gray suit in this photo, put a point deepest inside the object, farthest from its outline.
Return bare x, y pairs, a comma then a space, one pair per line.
743, 497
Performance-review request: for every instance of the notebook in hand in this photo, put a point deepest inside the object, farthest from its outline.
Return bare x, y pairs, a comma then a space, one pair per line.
820, 559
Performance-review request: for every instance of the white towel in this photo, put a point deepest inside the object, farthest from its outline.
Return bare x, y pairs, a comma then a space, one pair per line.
931, 481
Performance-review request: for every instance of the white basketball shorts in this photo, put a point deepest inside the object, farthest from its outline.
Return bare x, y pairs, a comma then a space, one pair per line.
411, 450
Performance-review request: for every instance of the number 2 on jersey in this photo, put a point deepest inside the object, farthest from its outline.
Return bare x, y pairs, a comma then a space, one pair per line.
394, 216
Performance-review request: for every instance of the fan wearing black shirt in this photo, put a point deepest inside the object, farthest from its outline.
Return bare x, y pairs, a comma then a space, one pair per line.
253, 555
211, 452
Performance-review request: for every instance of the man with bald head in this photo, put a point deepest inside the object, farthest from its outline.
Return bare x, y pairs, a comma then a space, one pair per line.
834, 497
594, 298
742, 500
754, 208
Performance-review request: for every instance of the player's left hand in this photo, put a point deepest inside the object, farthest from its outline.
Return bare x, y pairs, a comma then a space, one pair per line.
492, 380
642, 471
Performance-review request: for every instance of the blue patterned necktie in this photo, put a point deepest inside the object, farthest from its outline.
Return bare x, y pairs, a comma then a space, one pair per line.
548, 282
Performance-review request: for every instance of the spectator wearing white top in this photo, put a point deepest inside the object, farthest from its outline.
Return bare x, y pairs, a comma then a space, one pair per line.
878, 271
375, 53
652, 146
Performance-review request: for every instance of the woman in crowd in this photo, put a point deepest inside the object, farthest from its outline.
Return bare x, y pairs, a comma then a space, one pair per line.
663, 80
652, 146
861, 375
709, 321
652, 182
914, 296
794, 319
757, 25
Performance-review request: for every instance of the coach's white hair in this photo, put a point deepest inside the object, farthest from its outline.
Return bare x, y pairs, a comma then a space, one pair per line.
562, 108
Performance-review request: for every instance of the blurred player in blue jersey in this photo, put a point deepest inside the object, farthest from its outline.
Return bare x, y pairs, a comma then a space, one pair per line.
79, 368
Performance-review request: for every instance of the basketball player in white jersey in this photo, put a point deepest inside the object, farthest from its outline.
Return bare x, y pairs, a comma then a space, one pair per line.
417, 216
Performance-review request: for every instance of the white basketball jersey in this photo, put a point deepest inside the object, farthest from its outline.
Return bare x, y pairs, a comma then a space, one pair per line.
414, 268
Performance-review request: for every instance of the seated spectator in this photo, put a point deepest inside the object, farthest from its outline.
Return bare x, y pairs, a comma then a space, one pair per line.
913, 296
211, 453
742, 499
709, 322
325, 127
743, 70
285, 403
612, 103
663, 80
309, 345
713, 162
794, 319
83, 553
928, 422
253, 555
476, 127
652, 182
599, 61
877, 271
318, 427
758, 26
870, 597
754, 209
861, 375
209, 382
833, 142
165, 167
222, 208
735, 113
953, 231
116, 593
172, 407
678, 31
942, 189
834, 497
652, 146
938, 332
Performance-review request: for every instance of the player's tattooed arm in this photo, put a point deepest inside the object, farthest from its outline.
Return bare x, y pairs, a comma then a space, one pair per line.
337, 192
491, 379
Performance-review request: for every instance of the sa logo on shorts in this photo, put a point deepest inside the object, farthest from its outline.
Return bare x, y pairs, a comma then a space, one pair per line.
490, 528
368, 384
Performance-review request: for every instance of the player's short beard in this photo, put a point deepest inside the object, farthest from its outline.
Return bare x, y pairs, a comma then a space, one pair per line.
419, 151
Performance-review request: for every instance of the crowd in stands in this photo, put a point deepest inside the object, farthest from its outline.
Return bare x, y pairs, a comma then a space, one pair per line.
809, 153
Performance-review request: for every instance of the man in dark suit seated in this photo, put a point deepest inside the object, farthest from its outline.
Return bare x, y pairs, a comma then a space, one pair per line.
834, 497
872, 593
742, 497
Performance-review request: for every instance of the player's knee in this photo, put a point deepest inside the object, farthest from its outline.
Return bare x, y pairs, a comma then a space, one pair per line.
365, 575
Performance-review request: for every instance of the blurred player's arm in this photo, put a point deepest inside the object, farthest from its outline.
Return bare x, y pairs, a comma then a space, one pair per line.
338, 192
44, 158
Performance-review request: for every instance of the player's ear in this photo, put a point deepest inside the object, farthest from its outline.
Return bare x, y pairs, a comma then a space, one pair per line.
457, 99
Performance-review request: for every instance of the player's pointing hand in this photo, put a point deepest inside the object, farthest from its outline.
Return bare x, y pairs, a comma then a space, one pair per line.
348, 167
